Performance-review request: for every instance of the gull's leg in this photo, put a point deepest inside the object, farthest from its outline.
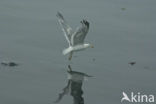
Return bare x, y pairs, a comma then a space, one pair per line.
70, 55
69, 67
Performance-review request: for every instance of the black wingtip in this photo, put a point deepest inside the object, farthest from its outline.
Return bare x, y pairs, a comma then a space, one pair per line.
59, 15
85, 22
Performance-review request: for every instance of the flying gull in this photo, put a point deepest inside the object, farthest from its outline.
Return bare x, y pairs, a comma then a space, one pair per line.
74, 39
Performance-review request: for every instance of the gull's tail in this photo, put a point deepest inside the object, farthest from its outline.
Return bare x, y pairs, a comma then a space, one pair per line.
67, 50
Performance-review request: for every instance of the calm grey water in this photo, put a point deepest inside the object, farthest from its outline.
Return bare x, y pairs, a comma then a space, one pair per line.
31, 36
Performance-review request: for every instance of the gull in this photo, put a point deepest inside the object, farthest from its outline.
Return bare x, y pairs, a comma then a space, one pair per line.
74, 39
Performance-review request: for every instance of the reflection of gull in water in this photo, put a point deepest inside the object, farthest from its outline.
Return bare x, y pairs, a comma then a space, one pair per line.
65, 91
75, 39
76, 76
74, 86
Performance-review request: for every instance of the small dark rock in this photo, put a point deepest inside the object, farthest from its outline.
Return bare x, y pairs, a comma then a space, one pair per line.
3, 63
132, 63
11, 64
93, 59
123, 9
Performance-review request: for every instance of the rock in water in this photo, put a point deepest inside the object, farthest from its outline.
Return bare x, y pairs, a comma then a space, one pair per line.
11, 64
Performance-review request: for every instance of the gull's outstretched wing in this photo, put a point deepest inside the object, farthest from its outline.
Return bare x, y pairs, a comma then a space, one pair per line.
79, 36
65, 27
65, 91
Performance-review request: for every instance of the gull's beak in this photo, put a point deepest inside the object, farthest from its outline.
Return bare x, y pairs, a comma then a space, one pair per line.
91, 46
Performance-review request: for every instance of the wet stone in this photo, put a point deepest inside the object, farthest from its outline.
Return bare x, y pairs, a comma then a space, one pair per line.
11, 64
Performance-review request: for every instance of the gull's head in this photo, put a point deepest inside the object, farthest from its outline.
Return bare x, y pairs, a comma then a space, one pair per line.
88, 45
91, 46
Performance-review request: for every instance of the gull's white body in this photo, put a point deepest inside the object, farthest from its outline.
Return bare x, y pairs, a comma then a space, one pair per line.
74, 39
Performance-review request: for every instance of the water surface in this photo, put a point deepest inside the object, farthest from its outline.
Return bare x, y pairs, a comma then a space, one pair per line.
31, 36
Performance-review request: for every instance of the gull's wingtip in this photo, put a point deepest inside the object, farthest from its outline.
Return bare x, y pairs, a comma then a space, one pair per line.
59, 14
88, 75
84, 21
